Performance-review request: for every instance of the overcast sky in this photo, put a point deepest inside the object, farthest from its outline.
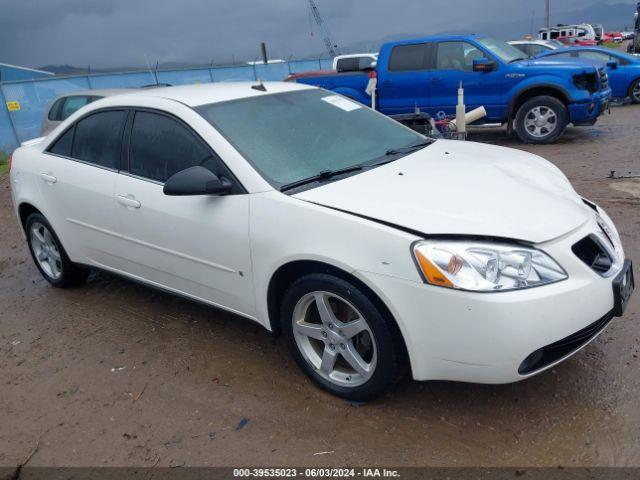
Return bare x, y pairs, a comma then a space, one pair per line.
107, 33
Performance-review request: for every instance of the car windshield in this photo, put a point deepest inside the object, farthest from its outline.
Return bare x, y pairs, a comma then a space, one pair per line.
293, 136
505, 52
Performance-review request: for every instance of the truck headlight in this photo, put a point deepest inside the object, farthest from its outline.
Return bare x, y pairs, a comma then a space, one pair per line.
484, 266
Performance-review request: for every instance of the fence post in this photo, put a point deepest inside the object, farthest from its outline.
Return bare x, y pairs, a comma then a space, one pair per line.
89, 78
211, 71
4, 103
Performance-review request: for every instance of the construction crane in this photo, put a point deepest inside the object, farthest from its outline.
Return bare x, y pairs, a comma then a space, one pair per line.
328, 40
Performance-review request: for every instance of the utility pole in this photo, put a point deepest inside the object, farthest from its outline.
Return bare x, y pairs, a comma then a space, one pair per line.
547, 14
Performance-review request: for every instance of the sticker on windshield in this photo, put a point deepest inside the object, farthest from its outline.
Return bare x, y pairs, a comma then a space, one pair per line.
342, 103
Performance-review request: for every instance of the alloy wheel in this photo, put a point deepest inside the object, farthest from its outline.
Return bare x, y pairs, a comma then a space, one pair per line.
45, 250
540, 121
334, 338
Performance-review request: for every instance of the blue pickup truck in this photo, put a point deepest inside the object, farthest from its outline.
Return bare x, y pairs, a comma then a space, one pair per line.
537, 98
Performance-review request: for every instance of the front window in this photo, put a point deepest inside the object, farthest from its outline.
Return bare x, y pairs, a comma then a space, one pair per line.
457, 56
505, 52
289, 137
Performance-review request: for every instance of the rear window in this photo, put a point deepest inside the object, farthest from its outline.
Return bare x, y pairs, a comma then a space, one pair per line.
409, 57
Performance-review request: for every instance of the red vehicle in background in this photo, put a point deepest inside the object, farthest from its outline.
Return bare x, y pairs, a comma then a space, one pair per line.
615, 37
577, 42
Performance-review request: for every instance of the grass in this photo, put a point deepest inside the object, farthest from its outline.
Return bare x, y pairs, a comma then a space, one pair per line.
4, 168
614, 46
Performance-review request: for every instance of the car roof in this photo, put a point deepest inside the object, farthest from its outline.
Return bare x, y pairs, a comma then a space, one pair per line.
206, 93
354, 55
524, 42
437, 38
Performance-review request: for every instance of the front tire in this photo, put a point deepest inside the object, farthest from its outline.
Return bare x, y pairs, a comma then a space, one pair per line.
541, 120
49, 255
634, 91
340, 338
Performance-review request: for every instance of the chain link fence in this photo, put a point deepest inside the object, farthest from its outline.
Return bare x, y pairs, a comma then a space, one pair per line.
25, 102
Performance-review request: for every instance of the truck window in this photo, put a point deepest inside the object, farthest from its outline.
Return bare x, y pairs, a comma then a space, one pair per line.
457, 56
347, 65
409, 57
365, 62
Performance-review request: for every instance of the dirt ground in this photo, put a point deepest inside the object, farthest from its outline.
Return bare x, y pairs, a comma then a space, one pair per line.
114, 373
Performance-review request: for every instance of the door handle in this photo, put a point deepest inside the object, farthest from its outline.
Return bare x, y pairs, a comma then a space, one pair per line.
436, 79
128, 201
48, 178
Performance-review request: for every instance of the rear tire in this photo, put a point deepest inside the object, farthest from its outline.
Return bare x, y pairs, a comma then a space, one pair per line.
49, 255
350, 349
541, 120
634, 91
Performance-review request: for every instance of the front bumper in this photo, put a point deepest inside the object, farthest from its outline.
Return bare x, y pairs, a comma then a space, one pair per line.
587, 113
486, 337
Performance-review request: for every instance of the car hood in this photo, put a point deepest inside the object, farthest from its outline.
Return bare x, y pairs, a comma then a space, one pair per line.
547, 61
462, 188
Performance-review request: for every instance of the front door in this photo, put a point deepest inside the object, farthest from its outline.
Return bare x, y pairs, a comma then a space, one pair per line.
194, 245
454, 65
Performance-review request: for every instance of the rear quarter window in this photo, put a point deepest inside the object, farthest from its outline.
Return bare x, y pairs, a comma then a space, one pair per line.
62, 146
55, 112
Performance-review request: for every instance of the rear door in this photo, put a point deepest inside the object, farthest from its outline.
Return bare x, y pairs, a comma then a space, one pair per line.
194, 245
404, 86
77, 181
454, 65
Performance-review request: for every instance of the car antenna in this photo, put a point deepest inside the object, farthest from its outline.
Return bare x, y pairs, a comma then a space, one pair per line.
260, 86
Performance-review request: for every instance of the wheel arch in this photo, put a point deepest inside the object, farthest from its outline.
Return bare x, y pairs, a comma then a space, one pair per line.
287, 273
631, 84
24, 210
535, 91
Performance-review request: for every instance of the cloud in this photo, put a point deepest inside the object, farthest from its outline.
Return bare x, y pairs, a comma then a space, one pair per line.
121, 32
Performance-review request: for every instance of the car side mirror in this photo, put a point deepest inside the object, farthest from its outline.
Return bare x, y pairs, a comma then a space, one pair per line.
196, 181
612, 65
483, 65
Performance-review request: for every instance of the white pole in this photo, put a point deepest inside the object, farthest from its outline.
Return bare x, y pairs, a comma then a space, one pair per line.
461, 123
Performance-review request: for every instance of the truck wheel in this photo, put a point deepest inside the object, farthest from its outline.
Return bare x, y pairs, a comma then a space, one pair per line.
634, 91
541, 120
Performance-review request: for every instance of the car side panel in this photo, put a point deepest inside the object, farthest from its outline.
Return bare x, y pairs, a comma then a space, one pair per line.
328, 236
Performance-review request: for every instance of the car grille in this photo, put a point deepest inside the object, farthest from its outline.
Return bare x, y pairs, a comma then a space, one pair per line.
604, 78
551, 353
591, 252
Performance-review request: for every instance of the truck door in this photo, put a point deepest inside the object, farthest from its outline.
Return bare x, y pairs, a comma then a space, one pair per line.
454, 64
404, 84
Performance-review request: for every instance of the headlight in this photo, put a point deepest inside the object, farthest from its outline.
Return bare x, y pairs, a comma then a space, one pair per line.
484, 266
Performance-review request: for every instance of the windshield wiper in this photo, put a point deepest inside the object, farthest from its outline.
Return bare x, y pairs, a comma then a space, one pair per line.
517, 59
323, 175
408, 148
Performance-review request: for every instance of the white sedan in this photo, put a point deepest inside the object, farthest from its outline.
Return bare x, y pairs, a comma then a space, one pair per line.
370, 247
